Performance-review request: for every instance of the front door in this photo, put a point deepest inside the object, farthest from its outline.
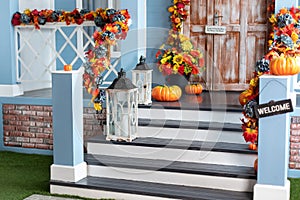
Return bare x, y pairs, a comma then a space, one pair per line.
230, 57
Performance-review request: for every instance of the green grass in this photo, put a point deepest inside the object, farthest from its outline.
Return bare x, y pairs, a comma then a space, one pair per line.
295, 188
22, 175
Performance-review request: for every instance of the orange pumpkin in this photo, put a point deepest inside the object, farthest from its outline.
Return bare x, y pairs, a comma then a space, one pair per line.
166, 93
193, 88
243, 98
252, 146
255, 165
67, 67
285, 65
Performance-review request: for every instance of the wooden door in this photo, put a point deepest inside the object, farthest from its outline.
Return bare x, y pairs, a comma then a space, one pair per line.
230, 57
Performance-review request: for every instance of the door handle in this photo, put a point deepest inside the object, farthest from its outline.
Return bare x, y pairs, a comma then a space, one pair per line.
216, 18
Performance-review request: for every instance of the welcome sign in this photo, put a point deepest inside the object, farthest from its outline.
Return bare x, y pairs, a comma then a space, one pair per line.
273, 108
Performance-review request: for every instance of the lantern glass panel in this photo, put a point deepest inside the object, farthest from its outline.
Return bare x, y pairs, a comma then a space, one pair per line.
143, 80
122, 114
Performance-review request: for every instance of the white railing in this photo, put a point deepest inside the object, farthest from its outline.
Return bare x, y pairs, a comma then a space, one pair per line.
39, 52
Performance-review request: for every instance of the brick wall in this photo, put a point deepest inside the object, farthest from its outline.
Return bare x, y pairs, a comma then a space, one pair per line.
295, 143
30, 126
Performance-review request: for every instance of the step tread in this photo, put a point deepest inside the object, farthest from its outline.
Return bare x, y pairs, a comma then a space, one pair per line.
172, 166
180, 144
190, 124
155, 189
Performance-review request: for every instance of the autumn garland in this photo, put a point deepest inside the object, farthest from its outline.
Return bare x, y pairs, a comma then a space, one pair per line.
178, 55
284, 41
112, 25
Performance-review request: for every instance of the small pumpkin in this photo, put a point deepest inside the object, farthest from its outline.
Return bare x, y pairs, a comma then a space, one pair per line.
67, 67
285, 65
193, 88
166, 93
252, 146
255, 165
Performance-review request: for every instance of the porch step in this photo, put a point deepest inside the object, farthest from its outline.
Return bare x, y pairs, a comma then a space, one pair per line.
191, 134
221, 115
224, 177
176, 150
166, 123
95, 187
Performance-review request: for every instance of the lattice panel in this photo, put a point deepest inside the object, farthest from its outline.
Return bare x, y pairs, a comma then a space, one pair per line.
39, 52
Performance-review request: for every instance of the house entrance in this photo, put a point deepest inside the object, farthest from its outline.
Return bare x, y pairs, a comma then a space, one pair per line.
230, 55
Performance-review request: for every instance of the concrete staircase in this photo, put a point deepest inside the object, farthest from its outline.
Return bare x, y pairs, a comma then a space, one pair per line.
181, 153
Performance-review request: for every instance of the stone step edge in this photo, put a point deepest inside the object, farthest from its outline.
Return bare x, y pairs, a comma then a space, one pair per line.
190, 124
228, 171
179, 144
154, 189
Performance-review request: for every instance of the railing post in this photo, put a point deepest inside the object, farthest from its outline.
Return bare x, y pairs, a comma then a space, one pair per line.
67, 101
273, 141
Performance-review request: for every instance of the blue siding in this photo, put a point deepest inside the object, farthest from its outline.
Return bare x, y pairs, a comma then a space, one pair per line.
158, 24
7, 48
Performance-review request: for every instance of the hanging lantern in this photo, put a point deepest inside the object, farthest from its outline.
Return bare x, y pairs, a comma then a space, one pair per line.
142, 78
122, 108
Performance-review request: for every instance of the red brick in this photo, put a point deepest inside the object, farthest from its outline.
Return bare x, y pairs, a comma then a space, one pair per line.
295, 126
8, 106
15, 112
5, 122
48, 141
15, 123
14, 144
9, 128
16, 133
29, 112
297, 166
36, 140
22, 107
22, 117
22, 128
48, 108
33, 129
9, 117
37, 108
98, 128
292, 165
88, 116
5, 112
22, 139
6, 139
51, 136
28, 145
295, 159
28, 134
28, 123
5, 143
48, 130
40, 130
295, 132
43, 114
295, 146
42, 135
40, 124
36, 118
42, 146
294, 152
48, 119
295, 139
51, 147
6, 133
88, 127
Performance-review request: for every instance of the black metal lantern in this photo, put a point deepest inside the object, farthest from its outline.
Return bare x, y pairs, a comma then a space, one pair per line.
122, 109
142, 78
